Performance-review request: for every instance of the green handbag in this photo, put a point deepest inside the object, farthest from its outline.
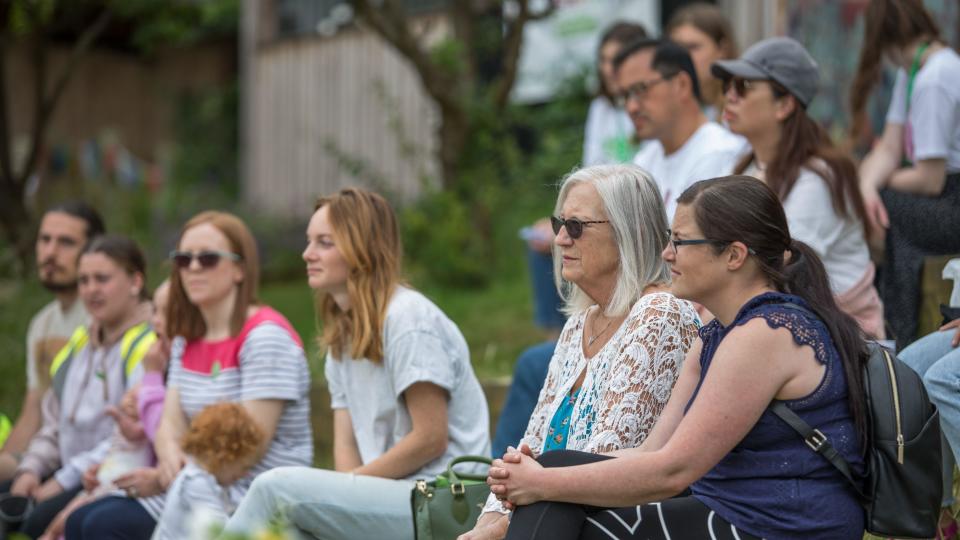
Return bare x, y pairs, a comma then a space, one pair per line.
450, 505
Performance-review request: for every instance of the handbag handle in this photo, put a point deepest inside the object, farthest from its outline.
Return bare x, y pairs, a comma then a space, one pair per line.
458, 478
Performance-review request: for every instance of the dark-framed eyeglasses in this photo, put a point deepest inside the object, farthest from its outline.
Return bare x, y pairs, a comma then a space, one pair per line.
207, 258
740, 85
574, 226
676, 243
638, 89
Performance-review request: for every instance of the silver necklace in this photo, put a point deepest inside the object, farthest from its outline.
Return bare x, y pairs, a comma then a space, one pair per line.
596, 334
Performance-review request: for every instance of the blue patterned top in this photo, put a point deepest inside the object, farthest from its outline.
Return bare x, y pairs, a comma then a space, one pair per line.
772, 484
560, 424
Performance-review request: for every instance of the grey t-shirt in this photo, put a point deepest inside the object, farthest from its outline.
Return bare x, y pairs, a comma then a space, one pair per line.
420, 345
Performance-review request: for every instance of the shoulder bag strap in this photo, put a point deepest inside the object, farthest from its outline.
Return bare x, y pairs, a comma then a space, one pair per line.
817, 441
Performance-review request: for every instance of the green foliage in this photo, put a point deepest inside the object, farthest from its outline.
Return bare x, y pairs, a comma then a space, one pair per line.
177, 23
205, 158
465, 236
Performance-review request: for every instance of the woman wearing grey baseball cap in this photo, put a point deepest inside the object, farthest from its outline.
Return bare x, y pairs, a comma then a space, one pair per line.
767, 92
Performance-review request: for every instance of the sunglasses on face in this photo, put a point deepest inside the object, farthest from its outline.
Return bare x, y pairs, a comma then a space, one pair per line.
207, 259
740, 85
574, 226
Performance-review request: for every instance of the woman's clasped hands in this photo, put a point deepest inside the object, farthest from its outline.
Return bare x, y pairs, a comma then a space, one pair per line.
516, 478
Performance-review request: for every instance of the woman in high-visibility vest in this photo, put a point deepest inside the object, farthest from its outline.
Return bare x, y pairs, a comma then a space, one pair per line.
91, 372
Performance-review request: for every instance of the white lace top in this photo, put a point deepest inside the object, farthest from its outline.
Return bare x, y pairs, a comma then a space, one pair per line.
627, 384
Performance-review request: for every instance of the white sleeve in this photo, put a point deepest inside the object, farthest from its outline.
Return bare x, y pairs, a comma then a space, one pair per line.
897, 112
934, 115
331, 371
592, 140
33, 378
810, 213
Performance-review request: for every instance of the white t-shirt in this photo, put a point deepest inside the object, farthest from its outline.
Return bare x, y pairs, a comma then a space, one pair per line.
838, 240
420, 344
933, 130
710, 152
608, 137
49, 331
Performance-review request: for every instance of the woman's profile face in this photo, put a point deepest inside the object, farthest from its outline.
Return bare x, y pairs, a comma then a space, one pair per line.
591, 261
703, 50
208, 286
108, 292
755, 113
327, 270
694, 271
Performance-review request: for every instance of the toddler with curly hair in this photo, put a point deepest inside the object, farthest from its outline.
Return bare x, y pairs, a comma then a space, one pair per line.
223, 443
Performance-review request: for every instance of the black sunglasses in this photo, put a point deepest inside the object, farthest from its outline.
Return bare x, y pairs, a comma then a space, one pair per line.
574, 226
207, 259
740, 85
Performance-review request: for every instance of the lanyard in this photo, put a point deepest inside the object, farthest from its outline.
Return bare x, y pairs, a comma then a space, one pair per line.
914, 68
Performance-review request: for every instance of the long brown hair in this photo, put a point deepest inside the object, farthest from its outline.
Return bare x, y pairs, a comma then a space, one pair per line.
184, 318
710, 20
365, 232
887, 24
804, 143
740, 209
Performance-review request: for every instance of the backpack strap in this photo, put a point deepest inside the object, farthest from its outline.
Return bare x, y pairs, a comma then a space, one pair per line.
817, 441
61, 362
814, 438
134, 346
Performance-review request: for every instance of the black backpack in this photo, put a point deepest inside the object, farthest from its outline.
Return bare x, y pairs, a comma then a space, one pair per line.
902, 488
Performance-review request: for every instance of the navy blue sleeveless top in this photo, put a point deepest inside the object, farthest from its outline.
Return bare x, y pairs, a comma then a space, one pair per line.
772, 484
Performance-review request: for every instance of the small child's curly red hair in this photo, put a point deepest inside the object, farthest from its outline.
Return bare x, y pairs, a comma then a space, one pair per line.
223, 434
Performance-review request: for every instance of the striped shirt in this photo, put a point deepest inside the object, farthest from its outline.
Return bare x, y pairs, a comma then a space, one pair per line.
269, 363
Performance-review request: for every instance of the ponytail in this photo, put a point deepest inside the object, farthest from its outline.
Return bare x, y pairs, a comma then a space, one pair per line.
743, 209
805, 276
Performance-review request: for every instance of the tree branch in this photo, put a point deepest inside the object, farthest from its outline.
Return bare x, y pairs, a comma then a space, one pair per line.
46, 104
390, 21
511, 50
6, 167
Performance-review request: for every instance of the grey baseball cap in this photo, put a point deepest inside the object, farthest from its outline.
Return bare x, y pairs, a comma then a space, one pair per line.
780, 59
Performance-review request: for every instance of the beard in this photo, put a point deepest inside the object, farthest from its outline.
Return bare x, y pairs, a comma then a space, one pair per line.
58, 286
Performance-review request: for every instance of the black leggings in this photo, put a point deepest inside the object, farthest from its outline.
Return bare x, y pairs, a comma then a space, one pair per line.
680, 517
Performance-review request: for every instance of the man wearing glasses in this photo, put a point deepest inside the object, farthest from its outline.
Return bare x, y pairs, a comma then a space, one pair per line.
661, 94
64, 232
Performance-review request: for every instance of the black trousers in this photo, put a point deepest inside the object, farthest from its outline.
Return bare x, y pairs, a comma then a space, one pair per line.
43, 513
680, 517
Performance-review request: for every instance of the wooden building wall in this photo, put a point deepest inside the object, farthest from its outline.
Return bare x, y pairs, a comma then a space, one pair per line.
326, 112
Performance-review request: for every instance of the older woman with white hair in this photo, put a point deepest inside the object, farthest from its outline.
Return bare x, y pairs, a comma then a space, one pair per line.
620, 352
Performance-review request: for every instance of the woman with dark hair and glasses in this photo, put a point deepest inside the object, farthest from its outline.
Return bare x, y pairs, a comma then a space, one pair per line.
719, 464
768, 91
621, 349
226, 347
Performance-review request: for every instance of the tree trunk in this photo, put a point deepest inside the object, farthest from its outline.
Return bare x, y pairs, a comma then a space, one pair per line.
17, 224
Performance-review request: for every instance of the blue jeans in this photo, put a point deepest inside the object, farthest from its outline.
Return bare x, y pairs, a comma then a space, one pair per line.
528, 377
110, 518
938, 362
546, 300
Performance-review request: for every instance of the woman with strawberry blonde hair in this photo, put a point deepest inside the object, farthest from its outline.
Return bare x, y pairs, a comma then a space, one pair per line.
404, 396
226, 346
